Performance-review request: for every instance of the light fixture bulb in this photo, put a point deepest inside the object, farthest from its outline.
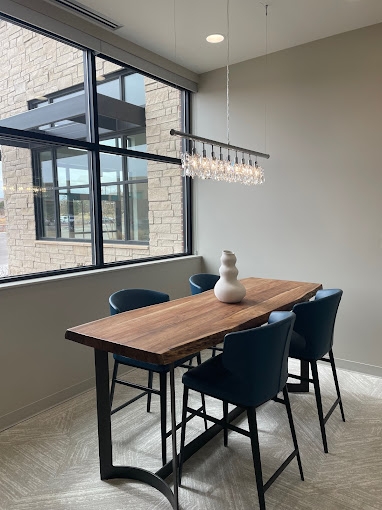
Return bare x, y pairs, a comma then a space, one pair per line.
215, 38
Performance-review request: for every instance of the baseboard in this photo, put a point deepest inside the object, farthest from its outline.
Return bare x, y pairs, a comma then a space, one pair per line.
362, 368
35, 408
30, 410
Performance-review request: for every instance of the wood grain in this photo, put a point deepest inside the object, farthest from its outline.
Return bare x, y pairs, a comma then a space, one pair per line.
169, 331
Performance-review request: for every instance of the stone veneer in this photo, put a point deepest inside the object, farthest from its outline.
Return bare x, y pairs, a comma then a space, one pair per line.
33, 66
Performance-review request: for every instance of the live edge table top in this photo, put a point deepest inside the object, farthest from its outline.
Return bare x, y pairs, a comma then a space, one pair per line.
169, 331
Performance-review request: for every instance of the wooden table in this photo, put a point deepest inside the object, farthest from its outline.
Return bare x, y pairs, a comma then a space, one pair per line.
165, 333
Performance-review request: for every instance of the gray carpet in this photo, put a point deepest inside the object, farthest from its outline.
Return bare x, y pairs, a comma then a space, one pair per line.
50, 462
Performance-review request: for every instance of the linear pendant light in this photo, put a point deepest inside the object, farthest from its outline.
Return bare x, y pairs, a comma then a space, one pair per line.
240, 170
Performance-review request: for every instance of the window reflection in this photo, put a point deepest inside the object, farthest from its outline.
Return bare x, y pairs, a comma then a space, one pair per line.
124, 203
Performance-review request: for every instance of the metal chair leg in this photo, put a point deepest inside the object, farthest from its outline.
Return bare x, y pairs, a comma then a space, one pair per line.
333, 365
183, 432
149, 385
317, 392
114, 376
163, 413
292, 429
251, 411
225, 415
204, 409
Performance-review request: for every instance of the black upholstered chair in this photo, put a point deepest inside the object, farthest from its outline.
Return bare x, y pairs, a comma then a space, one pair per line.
252, 370
312, 339
201, 282
131, 299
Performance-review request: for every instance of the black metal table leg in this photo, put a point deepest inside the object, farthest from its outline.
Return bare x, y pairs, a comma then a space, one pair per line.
303, 386
107, 469
175, 470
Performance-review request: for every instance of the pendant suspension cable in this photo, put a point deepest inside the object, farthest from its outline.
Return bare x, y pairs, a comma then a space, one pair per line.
266, 77
174, 23
228, 140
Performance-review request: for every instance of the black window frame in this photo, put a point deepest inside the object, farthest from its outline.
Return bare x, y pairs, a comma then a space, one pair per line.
29, 139
127, 183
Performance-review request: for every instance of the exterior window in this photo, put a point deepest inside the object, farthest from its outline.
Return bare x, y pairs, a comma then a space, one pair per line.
65, 200
79, 189
64, 209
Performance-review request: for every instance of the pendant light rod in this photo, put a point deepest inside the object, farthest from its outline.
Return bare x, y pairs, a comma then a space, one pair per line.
173, 132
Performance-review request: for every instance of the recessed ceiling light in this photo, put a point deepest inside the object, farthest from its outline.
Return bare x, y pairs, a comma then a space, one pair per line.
215, 38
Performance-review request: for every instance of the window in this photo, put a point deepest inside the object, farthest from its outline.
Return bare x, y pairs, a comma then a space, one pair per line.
84, 190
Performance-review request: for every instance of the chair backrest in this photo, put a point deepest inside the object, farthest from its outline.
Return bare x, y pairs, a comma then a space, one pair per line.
259, 357
130, 299
202, 281
315, 321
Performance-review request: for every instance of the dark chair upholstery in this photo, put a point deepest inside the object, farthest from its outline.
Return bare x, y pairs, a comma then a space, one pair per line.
252, 370
312, 339
131, 299
201, 282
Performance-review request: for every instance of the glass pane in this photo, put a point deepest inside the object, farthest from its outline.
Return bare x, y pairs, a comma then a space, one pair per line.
139, 209
3, 225
75, 213
143, 115
137, 168
113, 213
34, 89
28, 246
46, 169
65, 97
135, 89
137, 142
111, 168
72, 167
143, 219
109, 88
49, 213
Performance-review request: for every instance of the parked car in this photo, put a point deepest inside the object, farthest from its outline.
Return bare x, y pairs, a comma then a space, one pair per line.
67, 219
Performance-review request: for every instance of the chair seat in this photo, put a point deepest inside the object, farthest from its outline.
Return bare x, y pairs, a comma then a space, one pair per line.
124, 360
230, 388
297, 347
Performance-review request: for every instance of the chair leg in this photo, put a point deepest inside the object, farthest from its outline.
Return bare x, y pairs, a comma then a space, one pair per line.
252, 422
317, 392
225, 415
115, 370
163, 413
292, 429
199, 361
183, 432
204, 409
213, 353
336, 383
149, 385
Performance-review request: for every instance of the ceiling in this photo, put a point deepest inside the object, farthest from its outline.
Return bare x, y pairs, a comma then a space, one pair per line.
177, 29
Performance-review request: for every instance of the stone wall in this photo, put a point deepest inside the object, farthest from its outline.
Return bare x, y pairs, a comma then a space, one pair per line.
34, 66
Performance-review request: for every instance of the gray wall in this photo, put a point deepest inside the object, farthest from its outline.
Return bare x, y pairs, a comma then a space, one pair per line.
38, 367
318, 216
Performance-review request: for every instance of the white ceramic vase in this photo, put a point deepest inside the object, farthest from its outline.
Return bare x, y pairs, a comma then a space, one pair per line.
228, 289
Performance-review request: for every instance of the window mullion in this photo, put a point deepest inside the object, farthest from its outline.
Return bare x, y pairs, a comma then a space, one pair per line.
94, 160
